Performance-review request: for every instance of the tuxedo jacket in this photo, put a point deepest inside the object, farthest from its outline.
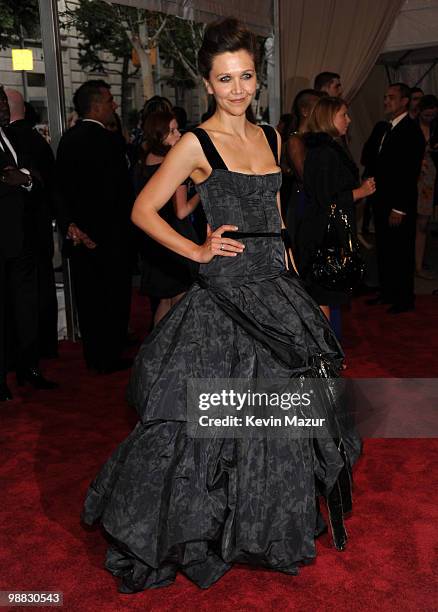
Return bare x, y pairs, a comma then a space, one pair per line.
396, 166
13, 203
93, 187
42, 160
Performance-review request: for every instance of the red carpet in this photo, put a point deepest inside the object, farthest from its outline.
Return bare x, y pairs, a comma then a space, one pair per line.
53, 443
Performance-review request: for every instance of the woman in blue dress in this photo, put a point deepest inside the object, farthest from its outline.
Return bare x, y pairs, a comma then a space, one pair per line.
170, 501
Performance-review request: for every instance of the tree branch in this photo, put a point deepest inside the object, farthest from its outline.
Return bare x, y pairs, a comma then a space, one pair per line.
160, 29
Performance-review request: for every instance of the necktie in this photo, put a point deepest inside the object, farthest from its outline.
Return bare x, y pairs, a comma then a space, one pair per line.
388, 128
7, 151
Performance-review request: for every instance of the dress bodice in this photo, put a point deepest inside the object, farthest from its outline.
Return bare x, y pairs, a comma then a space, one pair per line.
248, 201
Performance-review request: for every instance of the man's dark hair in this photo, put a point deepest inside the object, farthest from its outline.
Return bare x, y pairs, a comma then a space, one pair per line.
405, 90
416, 90
88, 93
323, 79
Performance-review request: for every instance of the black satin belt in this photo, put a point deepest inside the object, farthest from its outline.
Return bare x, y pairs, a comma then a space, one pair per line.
251, 235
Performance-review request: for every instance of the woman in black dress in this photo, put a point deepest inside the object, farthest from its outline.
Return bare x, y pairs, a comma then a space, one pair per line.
330, 176
302, 107
166, 276
172, 500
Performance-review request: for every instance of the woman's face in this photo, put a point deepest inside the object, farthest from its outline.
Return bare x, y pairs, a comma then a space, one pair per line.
233, 81
174, 134
428, 115
341, 120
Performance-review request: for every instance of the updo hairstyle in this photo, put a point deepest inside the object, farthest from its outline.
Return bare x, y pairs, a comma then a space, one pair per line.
224, 36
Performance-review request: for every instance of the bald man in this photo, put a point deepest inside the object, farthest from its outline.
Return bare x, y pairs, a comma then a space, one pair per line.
18, 274
36, 148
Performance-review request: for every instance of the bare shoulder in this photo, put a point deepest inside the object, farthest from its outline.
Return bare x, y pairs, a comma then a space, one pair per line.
187, 152
188, 143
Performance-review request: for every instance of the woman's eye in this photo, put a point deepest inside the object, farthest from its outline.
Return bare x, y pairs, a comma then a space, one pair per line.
247, 76
224, 79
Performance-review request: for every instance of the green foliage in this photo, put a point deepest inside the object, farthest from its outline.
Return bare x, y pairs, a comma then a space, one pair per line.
14, 15
101, 29
180, 42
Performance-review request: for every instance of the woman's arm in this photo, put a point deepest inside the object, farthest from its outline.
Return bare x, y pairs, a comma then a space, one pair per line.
184, 159
181, 205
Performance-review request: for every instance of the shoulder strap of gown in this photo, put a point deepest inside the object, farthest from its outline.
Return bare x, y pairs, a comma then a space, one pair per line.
210, 151
271, 137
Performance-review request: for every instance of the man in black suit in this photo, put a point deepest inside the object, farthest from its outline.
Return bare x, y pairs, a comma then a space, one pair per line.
95, 200
36, 148
393, 155
18, 277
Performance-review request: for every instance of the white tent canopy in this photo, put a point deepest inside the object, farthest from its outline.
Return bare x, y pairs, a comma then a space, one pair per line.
415, 27
256, 14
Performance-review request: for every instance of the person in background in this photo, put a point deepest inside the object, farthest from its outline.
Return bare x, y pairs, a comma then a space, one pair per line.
41, 155
284, 125
302, 107
95, 198
18, 271
181, 118
416, 94
330, 176
393, 154
155, 104
166, 276
328, 83
426, 117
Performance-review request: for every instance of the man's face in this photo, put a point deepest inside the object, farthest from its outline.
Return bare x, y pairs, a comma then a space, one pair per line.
334, 88
5, 114
104, 107
394, 103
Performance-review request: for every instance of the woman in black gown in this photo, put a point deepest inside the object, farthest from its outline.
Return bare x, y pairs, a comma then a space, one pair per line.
166, 276
174, 502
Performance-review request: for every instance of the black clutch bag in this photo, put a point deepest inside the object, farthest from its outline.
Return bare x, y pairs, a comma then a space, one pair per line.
337, 265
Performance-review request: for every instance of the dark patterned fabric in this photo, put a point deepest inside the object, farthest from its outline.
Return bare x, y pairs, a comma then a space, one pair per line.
172, 503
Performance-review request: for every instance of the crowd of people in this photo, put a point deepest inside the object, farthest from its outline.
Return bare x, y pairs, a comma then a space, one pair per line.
242, 285
99, 171
397, 187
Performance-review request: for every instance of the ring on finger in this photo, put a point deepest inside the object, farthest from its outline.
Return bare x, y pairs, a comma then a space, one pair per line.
222, 247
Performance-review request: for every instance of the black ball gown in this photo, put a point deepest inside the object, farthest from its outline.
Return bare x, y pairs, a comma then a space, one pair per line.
170, 502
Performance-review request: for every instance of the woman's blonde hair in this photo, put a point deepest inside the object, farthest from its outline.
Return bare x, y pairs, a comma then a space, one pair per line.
323, 113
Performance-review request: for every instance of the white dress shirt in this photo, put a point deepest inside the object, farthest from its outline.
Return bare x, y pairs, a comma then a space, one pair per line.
95, 121
14, 155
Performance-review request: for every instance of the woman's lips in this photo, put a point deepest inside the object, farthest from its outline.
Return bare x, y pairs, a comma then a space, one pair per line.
239, 101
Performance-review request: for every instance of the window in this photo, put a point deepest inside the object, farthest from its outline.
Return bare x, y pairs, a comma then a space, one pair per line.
36, 79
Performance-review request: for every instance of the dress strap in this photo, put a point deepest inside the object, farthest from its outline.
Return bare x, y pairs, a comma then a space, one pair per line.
271, 137
210, 151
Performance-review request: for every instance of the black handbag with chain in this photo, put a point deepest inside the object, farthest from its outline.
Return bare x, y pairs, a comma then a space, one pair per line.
337, 265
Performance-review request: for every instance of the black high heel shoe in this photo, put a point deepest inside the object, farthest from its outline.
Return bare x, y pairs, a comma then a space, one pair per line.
34, 377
